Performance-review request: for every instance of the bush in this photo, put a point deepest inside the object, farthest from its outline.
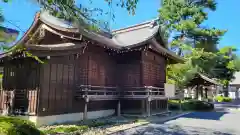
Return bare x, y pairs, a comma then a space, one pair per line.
64, 129
79, 128
227, 99
187, 98
17, 126
198, 106
223, 99
191, 105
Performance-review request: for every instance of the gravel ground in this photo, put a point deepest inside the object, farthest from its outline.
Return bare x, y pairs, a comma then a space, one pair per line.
121, 123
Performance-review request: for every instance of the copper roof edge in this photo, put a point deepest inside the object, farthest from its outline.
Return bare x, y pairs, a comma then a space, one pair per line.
125, 29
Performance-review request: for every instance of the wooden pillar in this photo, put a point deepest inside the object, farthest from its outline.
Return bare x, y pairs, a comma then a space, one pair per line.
201, 92
156, 105
148, 105
143, 106
167, 105
119, 108
206, 93
196, 93
85, 109
180, 105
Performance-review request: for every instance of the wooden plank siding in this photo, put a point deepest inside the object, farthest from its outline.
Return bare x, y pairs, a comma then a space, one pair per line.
51, 87
139, 69
57, 85
129, 69
101, 67
153, 69
63, 75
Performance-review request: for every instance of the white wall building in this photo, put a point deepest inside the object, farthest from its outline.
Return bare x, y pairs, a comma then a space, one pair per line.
234, 88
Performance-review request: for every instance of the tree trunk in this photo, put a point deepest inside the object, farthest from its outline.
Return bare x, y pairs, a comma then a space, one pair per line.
226, 90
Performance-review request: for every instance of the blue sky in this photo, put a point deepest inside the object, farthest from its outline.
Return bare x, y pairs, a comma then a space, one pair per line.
21, 13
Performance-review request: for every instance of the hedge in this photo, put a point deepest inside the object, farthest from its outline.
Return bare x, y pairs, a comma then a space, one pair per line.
17, 126
223, 99
191, 105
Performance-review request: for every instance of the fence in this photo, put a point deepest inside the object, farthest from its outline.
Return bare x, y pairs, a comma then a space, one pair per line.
18, 102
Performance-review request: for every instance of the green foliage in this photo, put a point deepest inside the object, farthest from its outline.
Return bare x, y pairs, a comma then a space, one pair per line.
76, 128
223, 99
180, 74
83, 16
198, 61
191, 105
16, 126
226, 64
28, 54
184, 19
65, 129
216, 65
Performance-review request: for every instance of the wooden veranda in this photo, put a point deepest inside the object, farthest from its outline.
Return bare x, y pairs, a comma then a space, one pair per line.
97, 93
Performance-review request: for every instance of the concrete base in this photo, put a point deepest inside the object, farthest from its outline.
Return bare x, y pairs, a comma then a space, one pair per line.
155, 112
63, 118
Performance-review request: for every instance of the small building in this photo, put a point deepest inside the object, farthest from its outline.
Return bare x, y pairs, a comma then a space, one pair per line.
80, 74
234, 87
201, 87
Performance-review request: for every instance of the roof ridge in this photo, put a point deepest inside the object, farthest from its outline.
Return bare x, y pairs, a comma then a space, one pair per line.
133, 26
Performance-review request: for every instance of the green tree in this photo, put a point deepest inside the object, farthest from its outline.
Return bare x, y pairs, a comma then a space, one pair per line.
180, 74
198, 61
3, 39
227, 63
68, 10
184, 19
220, 65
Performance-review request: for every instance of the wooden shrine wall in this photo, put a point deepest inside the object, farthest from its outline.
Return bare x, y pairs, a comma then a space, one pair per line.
129, 69
21, 79
62, 75
102, 66
56, 85
153, 69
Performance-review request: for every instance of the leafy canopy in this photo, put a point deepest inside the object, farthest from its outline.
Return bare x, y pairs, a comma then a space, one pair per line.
183, 21
184, 18
82, 15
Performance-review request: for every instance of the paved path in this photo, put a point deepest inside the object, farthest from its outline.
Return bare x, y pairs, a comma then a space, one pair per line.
221, 122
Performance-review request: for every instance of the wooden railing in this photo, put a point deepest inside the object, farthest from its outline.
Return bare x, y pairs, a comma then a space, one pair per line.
97, 92
111, 93
142, 92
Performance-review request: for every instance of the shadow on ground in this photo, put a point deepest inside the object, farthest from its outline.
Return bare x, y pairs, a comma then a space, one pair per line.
205, 115
166, 129
233, 104
163, 128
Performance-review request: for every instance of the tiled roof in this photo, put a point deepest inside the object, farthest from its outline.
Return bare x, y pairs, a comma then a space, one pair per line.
125, 37
208, 79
